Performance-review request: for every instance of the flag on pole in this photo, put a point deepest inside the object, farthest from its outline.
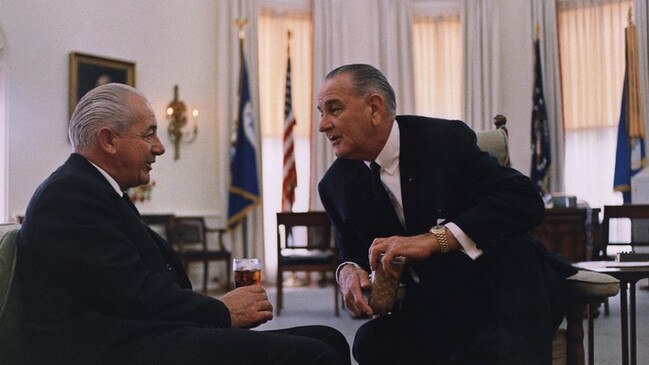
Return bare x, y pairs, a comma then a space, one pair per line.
244, 186
541, 159
630, 153
289, 181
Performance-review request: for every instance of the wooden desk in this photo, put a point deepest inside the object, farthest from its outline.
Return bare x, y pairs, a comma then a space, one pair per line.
571, 232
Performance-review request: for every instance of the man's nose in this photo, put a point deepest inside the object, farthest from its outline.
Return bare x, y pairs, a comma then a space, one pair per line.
324, 124
158, 148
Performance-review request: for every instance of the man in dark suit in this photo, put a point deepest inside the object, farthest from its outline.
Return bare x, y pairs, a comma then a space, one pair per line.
478, 289
100, 287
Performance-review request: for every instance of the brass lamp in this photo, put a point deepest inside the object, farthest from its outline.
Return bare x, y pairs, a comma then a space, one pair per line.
177, 117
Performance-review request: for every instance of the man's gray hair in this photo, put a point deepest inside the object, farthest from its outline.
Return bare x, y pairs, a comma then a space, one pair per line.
367, 79
106, 105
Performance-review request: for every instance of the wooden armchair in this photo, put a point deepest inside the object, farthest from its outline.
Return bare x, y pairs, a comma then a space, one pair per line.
637, 214
311, 249
188, 236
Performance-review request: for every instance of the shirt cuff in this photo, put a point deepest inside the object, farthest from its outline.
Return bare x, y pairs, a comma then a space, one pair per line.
468, 246
343, 264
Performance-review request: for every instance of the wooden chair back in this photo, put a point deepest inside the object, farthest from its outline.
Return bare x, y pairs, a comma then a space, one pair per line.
637, 214
304, 243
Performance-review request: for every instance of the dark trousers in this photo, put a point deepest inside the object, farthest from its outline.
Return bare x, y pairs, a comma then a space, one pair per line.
317, 345
501, 309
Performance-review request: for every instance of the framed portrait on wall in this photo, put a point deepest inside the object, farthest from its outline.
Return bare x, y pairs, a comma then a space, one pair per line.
88, 72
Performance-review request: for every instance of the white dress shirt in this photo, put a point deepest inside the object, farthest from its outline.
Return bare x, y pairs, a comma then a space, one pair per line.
110, 179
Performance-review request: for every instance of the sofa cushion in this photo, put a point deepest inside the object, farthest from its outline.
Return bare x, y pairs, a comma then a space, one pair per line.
10, 307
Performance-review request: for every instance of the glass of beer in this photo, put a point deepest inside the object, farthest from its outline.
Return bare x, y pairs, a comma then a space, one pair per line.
246, 272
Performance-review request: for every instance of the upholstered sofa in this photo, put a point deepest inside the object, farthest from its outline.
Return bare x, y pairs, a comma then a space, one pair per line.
11, 344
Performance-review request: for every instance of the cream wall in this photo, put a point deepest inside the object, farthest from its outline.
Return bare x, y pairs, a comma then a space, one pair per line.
171, 42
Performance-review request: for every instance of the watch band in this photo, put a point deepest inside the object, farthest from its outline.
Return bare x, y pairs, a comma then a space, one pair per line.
440, 232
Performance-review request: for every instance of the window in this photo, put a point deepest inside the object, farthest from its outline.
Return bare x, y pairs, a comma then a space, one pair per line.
273, 29
437, 48
591, 41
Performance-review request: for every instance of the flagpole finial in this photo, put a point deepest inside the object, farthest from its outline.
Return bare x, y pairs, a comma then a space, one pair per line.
288, 37
241, 23
538, 31
630, 18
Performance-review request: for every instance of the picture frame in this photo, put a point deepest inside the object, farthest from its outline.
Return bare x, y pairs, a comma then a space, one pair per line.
89, 71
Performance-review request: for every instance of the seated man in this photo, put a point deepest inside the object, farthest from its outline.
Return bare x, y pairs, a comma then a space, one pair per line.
478, 289
100, 287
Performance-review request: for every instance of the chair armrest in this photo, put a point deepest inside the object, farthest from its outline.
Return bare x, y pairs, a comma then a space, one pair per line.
221, 232
591, 286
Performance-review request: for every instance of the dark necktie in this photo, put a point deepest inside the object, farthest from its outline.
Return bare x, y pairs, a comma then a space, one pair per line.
130, 204
377, 184
382, 194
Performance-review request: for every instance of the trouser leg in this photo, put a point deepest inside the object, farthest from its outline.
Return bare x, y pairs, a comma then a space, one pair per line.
312, 345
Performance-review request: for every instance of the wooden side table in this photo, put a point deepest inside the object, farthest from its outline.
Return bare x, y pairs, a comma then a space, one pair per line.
628, 273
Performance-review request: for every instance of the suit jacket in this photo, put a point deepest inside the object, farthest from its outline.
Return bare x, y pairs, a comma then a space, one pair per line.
445, 176
98, 284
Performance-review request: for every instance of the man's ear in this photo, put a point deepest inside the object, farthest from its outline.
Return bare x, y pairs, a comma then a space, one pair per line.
377, 106
107, 140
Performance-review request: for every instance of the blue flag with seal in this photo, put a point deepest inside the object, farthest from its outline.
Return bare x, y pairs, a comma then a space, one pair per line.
244, 185
630, 155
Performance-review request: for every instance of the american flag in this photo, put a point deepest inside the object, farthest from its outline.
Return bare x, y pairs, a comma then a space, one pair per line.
289, 182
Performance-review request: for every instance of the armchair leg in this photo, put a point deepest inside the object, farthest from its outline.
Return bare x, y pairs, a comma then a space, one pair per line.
336, 290
279, 293
228, 273
205, 275
575, 333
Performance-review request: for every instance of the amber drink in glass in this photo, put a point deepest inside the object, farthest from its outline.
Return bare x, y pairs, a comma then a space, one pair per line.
246, 272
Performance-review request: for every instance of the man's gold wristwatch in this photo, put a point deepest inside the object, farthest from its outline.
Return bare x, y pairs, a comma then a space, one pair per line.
440, 232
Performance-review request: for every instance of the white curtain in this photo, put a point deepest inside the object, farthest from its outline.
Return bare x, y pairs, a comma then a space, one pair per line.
228, 69
591, 39
381, 37
2, 39
544, 15
437, 49
481, 58
273, 27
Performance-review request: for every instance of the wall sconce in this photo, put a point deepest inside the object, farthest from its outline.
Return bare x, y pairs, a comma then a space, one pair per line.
177, 117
